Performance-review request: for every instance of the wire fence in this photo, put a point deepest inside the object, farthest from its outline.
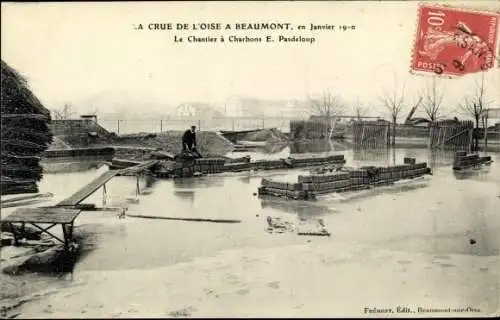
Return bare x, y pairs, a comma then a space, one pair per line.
126, 126
404, 133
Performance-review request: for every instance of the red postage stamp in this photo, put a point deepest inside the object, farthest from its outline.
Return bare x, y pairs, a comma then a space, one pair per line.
455, 42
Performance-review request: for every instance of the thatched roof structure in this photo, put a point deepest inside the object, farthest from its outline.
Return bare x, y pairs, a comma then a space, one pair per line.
24, 134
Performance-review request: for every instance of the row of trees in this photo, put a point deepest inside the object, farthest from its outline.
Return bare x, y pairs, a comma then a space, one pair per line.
429, 100
394, 102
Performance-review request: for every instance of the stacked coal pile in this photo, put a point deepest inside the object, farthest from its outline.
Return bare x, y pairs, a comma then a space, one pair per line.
388, 175
297, 162
183, 167
269, 164
359, 179
168, 168
464, 160
341, 181
326, 183
408, 160
282, 189
209, 165
305, 162
236, 165
25, 134
416, 170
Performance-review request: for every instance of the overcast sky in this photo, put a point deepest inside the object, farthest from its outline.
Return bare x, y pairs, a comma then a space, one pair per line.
74, 52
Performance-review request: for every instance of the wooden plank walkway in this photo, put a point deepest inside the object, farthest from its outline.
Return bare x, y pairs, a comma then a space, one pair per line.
49, 215
59, 215
88, 189
43, 215
98, 182
139, 168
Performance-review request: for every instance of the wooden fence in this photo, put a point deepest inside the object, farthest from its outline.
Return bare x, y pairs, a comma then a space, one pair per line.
371, 134
439, 135
447, 136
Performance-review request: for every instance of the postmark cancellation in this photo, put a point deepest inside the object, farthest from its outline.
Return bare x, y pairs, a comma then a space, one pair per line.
453, 41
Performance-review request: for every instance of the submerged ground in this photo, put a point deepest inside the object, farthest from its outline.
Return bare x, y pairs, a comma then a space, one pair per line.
430, 245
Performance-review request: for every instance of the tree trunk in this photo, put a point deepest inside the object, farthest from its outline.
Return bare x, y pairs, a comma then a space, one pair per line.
393, 132
327, 123
476, 135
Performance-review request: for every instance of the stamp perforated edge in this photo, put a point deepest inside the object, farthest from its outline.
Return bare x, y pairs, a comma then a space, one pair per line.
496, 62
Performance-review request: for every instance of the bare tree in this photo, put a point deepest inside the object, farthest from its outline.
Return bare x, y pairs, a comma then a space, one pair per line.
433, 98
64, 114
359, 111
475, 104
394, 104
326, 107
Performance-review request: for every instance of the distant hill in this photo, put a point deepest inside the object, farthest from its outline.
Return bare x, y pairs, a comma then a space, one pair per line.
121, 104
245, 106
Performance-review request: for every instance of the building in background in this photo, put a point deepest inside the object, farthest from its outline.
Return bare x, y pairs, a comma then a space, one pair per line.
243, 106
202, 114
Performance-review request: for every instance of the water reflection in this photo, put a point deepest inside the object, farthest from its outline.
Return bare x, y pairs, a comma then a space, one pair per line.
317, 146
150, 181
466, 212
391, 156
380, 155
199, 182
440, 158
481, 174
245, 179
185, 194
66, 167
304, 210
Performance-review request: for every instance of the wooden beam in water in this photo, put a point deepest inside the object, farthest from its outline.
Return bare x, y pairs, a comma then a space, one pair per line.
183, 219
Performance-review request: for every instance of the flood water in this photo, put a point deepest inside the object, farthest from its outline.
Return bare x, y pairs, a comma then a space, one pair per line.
434, 218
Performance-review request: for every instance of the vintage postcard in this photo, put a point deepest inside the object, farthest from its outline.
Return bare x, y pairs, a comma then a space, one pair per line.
250, 159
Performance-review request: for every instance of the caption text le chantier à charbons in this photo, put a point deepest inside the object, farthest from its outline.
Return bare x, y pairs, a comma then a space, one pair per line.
155, 26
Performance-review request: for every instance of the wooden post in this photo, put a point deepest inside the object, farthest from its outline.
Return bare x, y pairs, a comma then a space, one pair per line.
118, 125
440, 133
486, 133
137, 188
199, 125
161, 125
443, 139
471, 132
386, 135
431, 131
104, 195
363, 135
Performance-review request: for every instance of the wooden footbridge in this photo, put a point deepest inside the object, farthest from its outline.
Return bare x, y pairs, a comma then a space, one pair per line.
100, 181
65, 212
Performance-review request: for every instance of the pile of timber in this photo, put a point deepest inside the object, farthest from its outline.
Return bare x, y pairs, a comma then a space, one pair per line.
24, 134
189, 167
462, 160
308, 186
288, 163
203, 166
